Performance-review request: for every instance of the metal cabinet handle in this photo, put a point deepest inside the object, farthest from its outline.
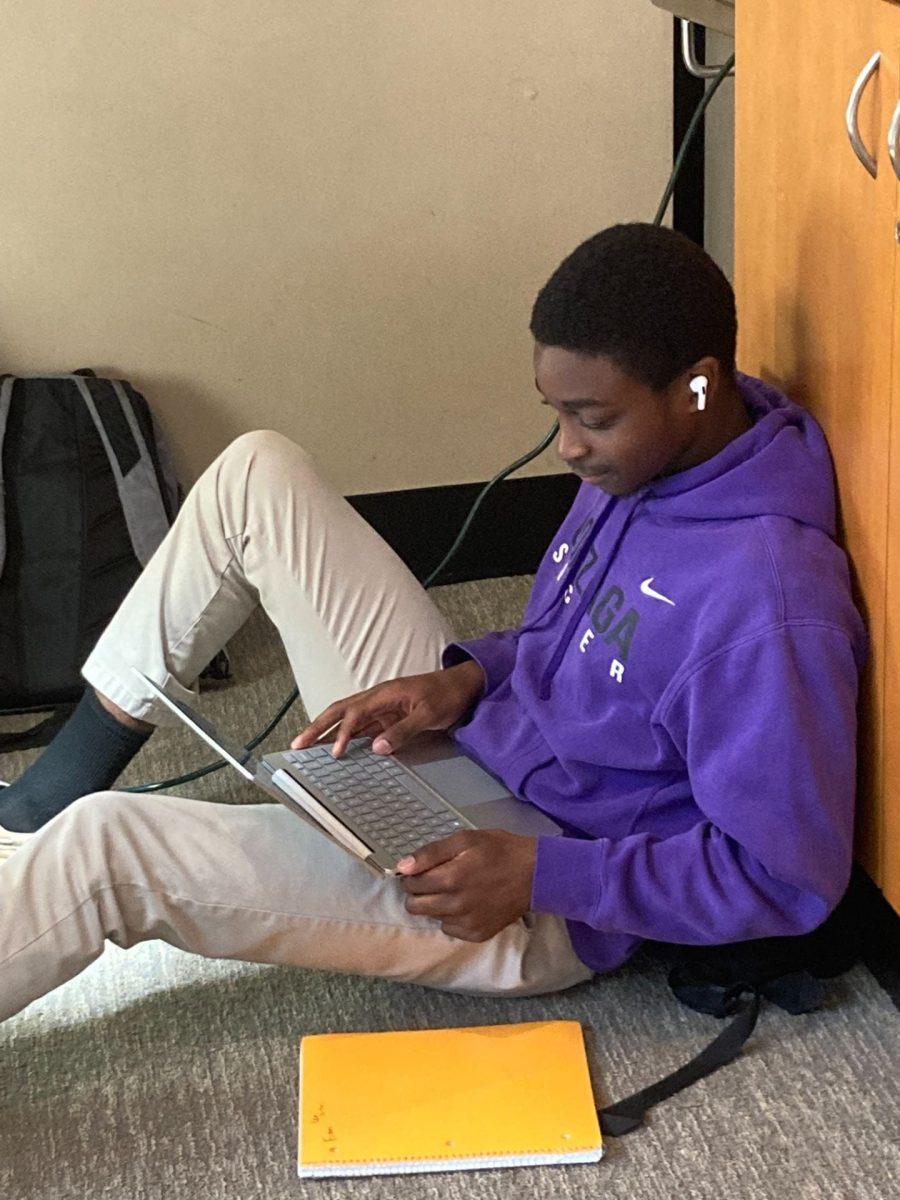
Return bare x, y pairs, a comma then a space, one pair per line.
859, 149
689, 54
893, 138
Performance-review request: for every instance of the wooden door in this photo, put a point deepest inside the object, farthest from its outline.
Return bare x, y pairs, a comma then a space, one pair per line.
814, 278
890, 848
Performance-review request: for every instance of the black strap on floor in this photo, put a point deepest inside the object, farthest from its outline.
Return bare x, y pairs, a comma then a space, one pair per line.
39, 734
627, 1115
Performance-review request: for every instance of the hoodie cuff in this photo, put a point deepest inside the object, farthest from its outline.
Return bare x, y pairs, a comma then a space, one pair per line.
495, 653
567, 877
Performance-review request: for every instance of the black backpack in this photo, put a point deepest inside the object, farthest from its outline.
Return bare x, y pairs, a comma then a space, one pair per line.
87, 493
788, 971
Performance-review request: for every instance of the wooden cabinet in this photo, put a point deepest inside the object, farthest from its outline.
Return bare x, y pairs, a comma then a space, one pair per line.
818, 298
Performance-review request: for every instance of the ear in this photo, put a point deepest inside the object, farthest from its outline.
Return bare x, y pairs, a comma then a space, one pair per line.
690, 396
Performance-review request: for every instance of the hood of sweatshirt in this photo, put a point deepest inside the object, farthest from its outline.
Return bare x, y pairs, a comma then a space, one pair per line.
780, 466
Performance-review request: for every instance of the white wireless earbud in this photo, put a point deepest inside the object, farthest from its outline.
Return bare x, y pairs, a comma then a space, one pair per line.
699, 385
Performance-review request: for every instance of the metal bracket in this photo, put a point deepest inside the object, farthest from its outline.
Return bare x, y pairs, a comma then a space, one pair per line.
689, 54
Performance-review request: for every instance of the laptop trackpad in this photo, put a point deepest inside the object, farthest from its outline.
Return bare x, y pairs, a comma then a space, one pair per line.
483, 799
461, 781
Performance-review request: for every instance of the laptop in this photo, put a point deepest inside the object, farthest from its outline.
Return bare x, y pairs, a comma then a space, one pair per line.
378, 807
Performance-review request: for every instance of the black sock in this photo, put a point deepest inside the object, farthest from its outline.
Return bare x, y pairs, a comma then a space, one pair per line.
88, 754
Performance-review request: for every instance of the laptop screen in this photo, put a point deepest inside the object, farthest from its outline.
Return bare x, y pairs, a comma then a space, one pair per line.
239, 756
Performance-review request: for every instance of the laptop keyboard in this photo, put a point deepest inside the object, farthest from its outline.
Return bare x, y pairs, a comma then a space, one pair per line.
374, 791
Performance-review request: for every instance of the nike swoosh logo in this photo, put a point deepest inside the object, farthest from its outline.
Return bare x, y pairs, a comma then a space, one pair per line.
648, 591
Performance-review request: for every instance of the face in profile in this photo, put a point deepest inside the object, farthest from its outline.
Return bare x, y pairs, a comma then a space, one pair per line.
615, 431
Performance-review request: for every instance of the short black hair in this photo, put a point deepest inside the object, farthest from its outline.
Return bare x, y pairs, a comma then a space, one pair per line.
643, 295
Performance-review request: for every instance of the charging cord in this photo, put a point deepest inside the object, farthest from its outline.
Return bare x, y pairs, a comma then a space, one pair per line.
501, 475
689, 137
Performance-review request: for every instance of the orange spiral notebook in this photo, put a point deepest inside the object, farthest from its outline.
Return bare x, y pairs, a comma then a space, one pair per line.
445, 1100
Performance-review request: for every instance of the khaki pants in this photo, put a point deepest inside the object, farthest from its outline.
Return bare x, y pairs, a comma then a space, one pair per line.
251, 882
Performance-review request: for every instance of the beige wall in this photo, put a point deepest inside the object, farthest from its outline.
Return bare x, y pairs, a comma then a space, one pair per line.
329, 218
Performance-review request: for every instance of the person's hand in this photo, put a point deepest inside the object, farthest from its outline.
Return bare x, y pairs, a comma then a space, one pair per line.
395, 711
475, 882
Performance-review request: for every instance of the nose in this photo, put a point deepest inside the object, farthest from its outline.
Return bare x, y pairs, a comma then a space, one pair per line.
570, 447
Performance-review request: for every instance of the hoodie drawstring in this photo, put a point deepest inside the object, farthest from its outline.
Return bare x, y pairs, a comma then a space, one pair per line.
570, 569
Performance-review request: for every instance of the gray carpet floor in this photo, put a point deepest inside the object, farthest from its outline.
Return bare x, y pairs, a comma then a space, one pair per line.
157, 1074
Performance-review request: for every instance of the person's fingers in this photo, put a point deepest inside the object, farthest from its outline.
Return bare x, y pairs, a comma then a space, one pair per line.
438, 905
438, 879
372, 729
369, 730
435, 853
321, 724
390, 700
321, 727
397, 735
321, 740
357, 720
346, 730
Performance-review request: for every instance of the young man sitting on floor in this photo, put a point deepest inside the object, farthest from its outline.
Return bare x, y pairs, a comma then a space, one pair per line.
680, 695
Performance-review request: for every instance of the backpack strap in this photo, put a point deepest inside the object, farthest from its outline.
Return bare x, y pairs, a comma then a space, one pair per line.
5, 400
627, 1115
172, 493
138, 487
38, 735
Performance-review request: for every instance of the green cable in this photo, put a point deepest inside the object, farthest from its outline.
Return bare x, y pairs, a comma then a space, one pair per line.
520, 462
689, 137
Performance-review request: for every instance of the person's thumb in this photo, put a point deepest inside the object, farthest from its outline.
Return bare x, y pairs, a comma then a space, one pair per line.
398, 735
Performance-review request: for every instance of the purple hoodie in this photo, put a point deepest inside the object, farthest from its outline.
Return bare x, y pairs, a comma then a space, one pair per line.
681, 698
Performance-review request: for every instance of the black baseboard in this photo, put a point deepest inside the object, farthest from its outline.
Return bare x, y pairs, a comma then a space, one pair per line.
508, 536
